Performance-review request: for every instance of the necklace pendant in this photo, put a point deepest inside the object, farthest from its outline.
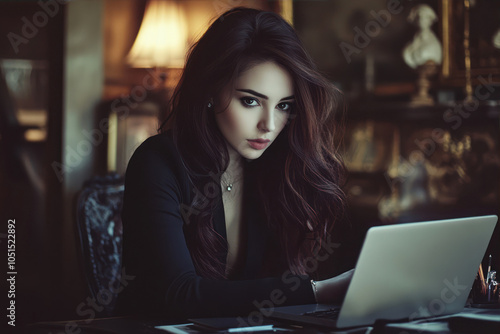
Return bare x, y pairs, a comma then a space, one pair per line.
229, 187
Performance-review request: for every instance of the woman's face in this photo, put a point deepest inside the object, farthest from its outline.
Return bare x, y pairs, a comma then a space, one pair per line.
259, 106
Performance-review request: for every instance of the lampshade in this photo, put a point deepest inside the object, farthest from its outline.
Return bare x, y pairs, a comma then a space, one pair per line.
162, 38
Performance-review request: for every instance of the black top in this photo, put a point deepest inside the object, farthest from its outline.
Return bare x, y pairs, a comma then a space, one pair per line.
155, 250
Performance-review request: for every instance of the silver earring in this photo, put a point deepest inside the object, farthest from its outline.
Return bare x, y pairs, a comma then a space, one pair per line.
210, 103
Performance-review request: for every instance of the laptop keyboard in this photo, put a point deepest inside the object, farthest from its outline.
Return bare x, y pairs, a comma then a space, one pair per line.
332, 313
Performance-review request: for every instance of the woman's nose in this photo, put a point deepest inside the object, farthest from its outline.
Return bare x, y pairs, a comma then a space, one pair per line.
267, 123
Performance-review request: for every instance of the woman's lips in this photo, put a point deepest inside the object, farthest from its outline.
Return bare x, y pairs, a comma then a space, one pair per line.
258, 144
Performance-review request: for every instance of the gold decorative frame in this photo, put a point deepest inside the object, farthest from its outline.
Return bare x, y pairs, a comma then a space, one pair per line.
286, 10
453, 18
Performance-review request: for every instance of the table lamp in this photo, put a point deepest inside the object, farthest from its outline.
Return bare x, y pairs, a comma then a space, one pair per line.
162, 39
161, 44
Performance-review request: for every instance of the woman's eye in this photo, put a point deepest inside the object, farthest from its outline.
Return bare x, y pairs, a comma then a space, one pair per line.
249, 102
285, 106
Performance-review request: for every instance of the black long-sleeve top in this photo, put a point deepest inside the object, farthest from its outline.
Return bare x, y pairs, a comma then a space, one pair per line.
156, 253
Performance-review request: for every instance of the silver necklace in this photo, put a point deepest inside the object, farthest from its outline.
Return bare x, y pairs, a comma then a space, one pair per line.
228, 186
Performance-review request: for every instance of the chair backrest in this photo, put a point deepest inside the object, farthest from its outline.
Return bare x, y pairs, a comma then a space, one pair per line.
100, 231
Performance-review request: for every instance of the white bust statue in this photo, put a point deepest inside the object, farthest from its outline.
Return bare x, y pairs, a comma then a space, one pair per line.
425, 45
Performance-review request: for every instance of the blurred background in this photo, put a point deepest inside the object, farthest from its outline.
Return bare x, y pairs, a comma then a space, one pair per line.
84, 82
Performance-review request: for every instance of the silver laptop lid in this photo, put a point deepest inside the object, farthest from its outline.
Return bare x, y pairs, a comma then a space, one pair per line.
416, 270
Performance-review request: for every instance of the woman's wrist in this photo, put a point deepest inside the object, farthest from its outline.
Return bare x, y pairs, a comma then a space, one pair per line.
318, 292
315, 290
332, 290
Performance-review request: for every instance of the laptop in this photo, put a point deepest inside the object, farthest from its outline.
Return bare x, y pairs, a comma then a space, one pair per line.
405, 272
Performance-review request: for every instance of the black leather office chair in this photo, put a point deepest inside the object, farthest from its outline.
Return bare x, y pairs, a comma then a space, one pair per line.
100, 231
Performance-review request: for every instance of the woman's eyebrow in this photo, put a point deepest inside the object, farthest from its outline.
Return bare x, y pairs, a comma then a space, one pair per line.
262, 95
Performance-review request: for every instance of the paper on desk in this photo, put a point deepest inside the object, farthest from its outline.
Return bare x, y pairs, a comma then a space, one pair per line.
190, 328
484, 317
418, 328
180, 328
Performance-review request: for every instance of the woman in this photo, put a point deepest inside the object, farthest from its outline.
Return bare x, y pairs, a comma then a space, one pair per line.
234, 202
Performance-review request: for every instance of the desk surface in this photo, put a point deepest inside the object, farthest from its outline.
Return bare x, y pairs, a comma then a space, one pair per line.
124, 325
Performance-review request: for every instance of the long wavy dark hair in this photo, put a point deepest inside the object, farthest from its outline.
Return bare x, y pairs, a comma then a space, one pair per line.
301, 187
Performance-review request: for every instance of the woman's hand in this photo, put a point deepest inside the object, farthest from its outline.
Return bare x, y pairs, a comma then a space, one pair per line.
332, 290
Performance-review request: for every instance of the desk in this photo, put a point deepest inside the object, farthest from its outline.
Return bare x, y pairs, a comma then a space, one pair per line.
124, 325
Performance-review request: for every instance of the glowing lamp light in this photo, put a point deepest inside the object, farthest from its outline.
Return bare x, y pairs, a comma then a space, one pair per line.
162, 38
